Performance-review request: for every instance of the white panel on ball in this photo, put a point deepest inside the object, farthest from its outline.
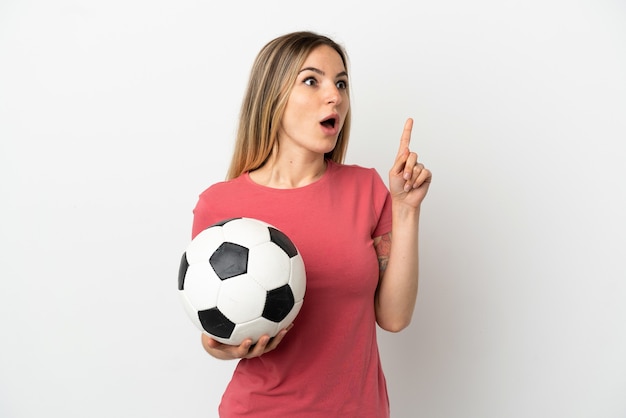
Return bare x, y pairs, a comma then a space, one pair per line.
204, 244
202, 286
241, 299
269, 265
246, 232
190, 309
296, 278
254, 329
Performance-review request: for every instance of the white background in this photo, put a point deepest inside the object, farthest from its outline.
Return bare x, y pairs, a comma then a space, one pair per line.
115, 115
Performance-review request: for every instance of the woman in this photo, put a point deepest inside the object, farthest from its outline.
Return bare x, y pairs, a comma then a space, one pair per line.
358, 239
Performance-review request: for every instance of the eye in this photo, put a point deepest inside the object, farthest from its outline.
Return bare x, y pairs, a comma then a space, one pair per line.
310, 81
342, 85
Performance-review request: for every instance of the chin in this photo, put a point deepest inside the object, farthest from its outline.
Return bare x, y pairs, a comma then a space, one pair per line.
327, 150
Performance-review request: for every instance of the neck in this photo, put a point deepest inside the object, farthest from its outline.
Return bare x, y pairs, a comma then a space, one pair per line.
289, 173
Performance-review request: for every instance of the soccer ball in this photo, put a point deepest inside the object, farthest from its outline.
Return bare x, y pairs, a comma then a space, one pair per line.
241, 278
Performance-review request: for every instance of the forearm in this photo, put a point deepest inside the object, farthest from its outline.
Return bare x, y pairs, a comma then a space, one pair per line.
397, 291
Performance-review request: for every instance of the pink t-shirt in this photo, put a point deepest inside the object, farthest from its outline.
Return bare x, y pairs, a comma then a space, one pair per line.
328, 365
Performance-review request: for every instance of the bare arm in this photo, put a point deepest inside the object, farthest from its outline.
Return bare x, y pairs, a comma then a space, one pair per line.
399, 273
397, 252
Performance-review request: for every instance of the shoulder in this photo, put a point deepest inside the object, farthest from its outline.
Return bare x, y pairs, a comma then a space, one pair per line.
216, 203
353, 170
222, 193
224, 187
353, 173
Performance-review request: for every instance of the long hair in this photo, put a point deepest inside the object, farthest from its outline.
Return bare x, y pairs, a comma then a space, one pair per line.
272, 78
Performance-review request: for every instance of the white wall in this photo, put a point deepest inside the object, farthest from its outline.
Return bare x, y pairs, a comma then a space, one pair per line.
115, 115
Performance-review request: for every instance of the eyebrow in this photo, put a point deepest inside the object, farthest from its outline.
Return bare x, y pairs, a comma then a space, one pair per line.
320, 72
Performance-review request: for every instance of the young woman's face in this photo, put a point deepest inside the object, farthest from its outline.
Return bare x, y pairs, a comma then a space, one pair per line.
318, 104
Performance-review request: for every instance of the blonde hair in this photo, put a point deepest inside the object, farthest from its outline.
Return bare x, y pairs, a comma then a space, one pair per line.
272, 77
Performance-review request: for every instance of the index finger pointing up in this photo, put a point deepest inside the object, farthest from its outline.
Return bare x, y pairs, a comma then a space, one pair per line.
405, 139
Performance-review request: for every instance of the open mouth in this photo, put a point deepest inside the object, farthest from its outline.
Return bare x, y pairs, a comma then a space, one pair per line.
329, 123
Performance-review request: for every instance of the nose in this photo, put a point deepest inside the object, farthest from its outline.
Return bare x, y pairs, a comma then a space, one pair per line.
333, 95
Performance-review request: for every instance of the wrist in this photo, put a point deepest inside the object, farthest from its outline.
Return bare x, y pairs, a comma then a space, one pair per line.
401, 211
